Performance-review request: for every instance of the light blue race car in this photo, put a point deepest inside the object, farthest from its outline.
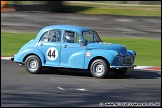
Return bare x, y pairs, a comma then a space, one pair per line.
70, 46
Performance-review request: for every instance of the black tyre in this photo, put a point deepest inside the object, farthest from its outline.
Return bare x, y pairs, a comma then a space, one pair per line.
99, 68
33, 64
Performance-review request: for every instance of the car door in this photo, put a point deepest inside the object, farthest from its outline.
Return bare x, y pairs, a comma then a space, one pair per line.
70, 47
50, 45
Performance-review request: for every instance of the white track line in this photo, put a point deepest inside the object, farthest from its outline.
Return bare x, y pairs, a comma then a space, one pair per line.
61, 88
81, 89
143, 67
5, 58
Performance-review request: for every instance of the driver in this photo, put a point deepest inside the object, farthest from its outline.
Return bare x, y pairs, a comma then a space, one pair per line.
69, 38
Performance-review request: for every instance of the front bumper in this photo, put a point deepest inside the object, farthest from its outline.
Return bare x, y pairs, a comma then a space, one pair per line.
117, 67
128, 68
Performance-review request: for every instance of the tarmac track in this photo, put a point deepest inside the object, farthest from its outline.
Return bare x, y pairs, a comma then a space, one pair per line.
74, 88
105, 25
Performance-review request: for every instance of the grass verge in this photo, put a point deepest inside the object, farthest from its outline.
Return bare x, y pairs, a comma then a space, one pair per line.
113, 9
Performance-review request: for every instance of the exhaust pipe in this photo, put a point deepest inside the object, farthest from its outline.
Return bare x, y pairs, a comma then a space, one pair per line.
22, 65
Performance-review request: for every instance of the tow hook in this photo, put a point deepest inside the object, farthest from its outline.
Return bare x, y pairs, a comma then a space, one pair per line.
11, 59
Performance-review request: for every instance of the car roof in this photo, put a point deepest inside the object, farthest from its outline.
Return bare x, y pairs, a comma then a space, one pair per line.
68, 27
75, 28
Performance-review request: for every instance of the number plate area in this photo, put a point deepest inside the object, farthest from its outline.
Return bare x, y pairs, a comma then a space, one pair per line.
52, 53
127, 60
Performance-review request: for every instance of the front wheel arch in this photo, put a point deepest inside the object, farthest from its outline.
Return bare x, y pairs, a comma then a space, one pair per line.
98, 57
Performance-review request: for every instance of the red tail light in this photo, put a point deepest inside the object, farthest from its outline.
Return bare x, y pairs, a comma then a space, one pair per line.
12, 58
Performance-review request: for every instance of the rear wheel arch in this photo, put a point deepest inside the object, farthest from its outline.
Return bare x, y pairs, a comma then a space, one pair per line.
30, 55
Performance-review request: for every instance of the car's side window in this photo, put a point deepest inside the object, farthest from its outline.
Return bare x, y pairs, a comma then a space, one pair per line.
51, 36
91, 36
45, 37
71, 37
87, 36
54, 36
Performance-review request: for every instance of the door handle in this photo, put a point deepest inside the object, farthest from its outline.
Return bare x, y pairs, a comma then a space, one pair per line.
65, 46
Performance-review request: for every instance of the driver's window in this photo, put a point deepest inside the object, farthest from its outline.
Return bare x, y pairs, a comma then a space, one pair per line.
71, 37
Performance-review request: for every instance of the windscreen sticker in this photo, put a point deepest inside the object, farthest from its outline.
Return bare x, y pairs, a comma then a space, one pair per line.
52, 53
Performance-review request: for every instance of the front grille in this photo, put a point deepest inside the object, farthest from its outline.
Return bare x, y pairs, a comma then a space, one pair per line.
127, 60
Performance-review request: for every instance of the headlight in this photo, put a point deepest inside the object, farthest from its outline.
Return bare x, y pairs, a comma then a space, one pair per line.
134, 54
117, 55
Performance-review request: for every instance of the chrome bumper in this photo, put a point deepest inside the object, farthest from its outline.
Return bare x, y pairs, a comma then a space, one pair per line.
117, 67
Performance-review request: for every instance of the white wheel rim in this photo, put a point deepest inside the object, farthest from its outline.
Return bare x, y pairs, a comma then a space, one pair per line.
32, 64
98, 69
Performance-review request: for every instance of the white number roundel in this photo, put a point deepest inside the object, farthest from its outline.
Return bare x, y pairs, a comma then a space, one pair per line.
52, 53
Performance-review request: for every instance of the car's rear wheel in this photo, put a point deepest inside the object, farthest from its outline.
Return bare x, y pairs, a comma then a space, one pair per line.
33, 64
99, 68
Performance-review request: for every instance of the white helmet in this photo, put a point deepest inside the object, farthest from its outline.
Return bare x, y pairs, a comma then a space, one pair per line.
69, 37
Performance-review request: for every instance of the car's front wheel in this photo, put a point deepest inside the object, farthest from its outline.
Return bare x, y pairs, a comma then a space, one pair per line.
99, 68
33, 64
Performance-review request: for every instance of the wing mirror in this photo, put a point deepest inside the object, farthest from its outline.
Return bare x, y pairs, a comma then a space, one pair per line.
83, 42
